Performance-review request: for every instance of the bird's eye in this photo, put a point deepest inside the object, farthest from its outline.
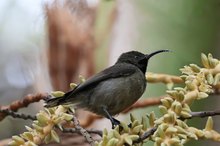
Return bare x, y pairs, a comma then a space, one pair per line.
135, 57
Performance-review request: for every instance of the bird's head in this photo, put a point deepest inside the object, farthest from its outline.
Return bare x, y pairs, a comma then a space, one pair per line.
137, 58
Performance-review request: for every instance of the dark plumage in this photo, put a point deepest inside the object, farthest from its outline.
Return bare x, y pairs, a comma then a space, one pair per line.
112, 90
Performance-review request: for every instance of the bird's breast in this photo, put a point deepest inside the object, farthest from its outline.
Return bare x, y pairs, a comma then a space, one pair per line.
117, 94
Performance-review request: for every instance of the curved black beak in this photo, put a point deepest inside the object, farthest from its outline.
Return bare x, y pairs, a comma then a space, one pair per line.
148, 56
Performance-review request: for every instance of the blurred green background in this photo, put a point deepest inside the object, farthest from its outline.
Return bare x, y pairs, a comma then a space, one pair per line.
186, 27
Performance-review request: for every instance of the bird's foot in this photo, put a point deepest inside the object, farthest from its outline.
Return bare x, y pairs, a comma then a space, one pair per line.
114, 122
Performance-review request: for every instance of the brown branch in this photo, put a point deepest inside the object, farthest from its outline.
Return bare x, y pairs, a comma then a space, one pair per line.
16, 105
163, 78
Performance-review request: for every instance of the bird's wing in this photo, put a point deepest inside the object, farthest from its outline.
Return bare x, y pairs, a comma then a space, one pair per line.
116, 71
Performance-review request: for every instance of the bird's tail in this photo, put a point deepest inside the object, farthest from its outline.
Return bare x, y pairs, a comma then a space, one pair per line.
54, 102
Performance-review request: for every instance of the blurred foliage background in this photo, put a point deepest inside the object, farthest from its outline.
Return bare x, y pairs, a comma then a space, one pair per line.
44, 48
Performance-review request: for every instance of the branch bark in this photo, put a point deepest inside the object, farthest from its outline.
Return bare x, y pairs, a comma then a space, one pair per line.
16, 105
203, 114
83, 131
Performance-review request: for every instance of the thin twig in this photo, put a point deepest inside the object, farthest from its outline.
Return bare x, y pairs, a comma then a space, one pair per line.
73, 130
203, 114
17, 115
146, 135
87, 136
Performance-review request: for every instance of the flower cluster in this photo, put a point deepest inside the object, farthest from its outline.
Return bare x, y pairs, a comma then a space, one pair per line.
172, 128
42, 130
124, 134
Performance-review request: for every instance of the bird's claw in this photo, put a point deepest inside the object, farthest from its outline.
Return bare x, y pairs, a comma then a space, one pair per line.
115, 122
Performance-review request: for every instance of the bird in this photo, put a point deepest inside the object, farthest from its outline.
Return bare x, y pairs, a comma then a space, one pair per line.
112, 90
